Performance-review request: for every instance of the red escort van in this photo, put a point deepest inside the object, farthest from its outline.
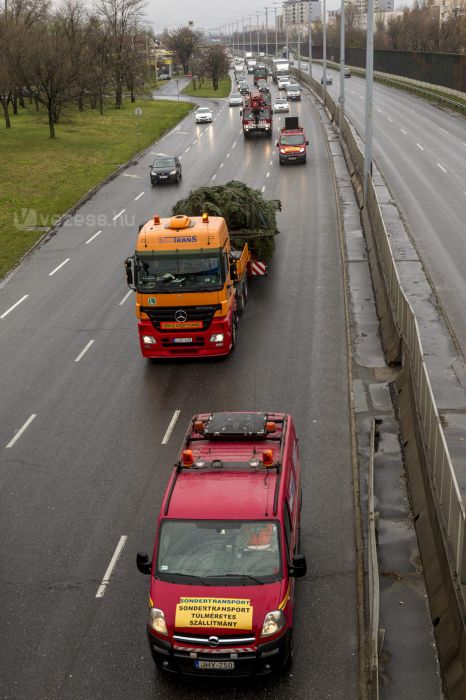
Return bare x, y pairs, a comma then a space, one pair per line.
226, 551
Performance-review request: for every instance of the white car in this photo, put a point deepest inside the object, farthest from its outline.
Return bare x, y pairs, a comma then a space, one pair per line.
283, 83
203, 114
235, 99
281, 105
293, 92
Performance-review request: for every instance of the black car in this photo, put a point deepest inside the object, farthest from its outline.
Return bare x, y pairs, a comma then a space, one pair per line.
165, 169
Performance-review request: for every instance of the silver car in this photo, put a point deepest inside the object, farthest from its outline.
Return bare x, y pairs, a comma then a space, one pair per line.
203, 114
235, 99
293, 92
281, 105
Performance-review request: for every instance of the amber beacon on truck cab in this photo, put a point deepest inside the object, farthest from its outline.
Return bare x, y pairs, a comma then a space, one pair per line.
227, 549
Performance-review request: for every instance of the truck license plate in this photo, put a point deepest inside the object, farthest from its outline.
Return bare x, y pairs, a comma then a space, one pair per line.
182, 340
215, 665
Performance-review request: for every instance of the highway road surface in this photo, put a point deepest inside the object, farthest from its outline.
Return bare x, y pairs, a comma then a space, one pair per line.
85, 445
420, 148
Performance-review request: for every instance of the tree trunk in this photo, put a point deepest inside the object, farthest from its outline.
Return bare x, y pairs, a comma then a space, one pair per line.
21, 102
80, 102
133, 99
5, 112
14, 102
118, 96
51, 122
37, 104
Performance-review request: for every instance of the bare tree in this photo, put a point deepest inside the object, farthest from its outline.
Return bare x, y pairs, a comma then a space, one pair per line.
120, 16
183, 42
216, 64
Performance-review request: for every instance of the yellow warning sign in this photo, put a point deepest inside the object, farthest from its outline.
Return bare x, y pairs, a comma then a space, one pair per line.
214, 612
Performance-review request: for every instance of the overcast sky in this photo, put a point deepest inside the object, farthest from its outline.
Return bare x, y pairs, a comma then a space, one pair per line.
214, 13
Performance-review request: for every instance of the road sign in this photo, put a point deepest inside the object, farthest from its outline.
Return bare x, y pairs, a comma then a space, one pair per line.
138, 111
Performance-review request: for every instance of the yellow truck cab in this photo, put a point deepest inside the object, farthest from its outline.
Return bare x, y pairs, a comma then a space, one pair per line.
190, 285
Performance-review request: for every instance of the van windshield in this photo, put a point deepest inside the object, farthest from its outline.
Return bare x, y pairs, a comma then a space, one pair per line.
220, 550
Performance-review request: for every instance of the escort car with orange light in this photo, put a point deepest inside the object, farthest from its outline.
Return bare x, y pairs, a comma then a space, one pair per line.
292, 143
190, 285
227, 549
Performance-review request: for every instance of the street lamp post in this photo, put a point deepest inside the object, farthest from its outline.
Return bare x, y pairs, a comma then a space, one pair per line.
299, 43
369, 92
258, 34
310, 43
266, 31
342, 61
324, 55
276, 33
250, 33
244, 36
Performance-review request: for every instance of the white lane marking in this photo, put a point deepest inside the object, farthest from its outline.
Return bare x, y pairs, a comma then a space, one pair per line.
213, 177
111, 566
227, 155
221, 165
379, 110
21, 430
419, 146
263, 188
201, 135
441, 167
234, 145
171, 425
447, 132
268, 174
60, 265
195, 141
241, 131
94, 236
138, 197
187, 149
138, 177
271, 162
84, 350
403, 131
389, 119
181, 157
14, 306
120, 303
119, 214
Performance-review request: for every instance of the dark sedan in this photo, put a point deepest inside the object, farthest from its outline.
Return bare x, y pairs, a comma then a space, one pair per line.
166, 169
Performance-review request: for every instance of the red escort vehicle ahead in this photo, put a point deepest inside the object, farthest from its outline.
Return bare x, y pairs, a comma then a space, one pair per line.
292, 142
226, 551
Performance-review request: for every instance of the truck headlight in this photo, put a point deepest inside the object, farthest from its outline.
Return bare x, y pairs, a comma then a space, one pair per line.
301, 150
217, 338
149, 340
157, 621
173, 172
282, 150
273, 622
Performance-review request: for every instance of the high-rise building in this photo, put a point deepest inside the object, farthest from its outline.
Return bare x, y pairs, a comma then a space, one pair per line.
297, 11
379, 5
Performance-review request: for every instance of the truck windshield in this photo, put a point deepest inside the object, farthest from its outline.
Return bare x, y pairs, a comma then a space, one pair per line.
292, 139
193, 272
219, 550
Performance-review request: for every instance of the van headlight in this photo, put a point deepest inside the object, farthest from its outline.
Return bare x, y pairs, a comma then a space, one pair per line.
273, 622
157, 621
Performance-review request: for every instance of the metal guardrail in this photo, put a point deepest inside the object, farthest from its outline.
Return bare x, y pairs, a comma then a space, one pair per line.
444, 486
443, 481
373, 571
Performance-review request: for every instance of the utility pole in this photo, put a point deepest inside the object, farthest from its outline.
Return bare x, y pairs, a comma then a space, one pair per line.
369, 95
299, 44
342, 61
250, 33
244, 36
276, 33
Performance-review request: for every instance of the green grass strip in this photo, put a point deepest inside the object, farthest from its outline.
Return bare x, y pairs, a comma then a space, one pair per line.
42, 178
207, 90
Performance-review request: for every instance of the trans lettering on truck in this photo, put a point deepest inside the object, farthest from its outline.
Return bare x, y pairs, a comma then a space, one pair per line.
214, 612
178, 239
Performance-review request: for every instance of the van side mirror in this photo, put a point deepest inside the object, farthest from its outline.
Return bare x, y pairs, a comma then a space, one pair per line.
307, 143
276, 143
233, 270
241, 113
298, 566
129, 268
143, 563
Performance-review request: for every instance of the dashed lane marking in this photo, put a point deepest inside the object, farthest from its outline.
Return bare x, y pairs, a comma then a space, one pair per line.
21, 431
113, 561
94, 236
59, 266
84, 350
